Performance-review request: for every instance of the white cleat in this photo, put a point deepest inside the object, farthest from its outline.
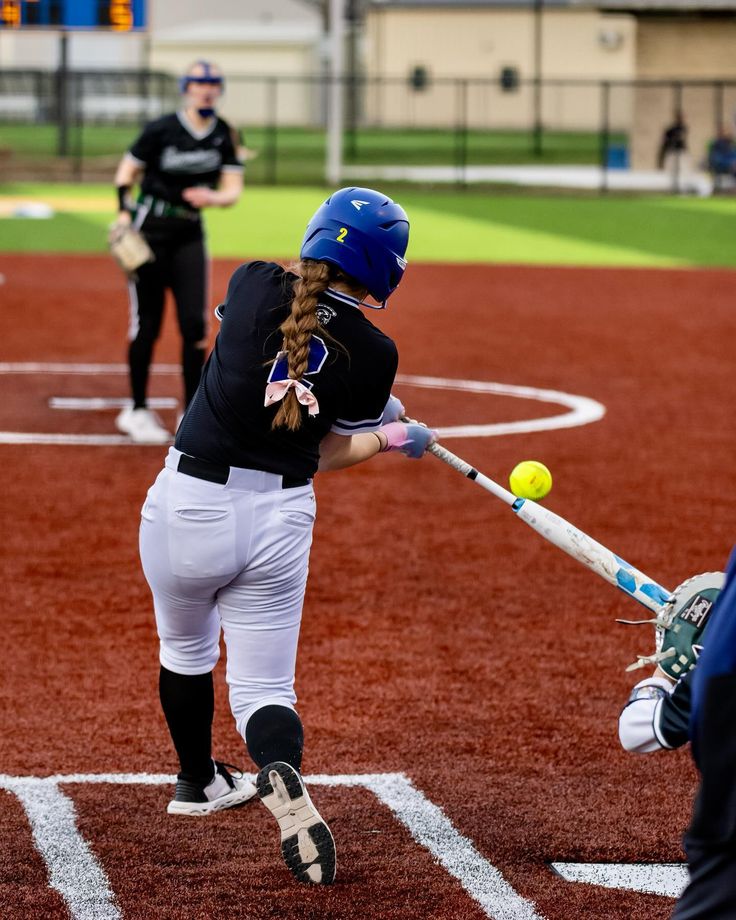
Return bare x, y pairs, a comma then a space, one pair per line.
225, 791
306, 842
143, 426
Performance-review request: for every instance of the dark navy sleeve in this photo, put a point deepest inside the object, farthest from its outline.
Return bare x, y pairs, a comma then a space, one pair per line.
672, 718
370, 390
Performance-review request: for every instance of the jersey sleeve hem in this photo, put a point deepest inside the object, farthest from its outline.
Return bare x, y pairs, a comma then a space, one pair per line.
365, 426
134, 159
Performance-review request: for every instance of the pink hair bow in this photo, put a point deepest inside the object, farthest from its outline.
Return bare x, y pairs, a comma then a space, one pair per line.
277, 389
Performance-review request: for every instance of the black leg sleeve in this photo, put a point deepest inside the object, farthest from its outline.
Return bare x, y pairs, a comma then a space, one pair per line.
275, 733
188, 702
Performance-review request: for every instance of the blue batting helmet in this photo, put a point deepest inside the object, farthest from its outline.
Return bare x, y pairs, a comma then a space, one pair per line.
208, 75
363, 233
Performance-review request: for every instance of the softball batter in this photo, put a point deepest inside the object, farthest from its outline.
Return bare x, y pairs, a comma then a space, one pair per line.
184, 162
299, 380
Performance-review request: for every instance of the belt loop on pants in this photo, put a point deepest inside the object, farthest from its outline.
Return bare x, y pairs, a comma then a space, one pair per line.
234, 477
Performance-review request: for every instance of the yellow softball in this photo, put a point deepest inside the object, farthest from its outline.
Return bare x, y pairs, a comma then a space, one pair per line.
530, 479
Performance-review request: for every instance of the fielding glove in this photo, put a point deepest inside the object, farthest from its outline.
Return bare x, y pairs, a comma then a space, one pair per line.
680, 625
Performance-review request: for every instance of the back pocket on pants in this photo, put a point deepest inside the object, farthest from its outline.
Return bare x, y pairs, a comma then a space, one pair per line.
202, 541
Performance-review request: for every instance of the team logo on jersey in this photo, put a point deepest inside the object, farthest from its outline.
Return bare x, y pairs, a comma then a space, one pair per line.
325, 314
358, 204
317, 357
174, 160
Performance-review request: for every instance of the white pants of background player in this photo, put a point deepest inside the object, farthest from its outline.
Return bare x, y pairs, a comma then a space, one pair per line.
232, 557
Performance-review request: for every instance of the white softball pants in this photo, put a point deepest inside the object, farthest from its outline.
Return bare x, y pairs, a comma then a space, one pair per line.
234, 558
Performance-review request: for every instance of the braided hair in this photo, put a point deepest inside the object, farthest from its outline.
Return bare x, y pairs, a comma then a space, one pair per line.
298, 329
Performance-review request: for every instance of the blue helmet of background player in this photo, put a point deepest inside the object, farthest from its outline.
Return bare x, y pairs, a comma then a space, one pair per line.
203, 73
363, 233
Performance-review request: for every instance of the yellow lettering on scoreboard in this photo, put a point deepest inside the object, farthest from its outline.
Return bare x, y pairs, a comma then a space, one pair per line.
121, 15
11, 13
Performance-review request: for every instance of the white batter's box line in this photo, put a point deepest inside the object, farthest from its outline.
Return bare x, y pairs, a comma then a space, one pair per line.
80, 879
666, 879
101, 403
77, 369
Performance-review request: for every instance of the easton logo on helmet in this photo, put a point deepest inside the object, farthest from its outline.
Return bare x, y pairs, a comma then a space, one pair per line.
358, 204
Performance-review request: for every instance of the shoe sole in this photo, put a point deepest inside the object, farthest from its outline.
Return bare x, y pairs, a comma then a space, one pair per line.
307, 845
200, 809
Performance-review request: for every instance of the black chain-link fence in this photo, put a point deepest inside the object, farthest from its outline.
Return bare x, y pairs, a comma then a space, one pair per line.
76, 124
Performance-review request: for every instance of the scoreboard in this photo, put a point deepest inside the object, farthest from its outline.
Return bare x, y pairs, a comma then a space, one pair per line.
112, 15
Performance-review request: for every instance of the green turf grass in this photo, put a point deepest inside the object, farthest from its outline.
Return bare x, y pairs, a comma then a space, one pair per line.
297, 155
447, 226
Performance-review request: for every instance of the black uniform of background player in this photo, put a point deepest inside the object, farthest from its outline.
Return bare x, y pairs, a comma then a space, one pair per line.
174, 158
175, 154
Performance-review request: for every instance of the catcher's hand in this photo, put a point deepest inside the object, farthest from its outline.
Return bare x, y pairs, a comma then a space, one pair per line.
128, 247
680, 625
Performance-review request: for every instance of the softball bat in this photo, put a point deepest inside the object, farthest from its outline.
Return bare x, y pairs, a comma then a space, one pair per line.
567, 537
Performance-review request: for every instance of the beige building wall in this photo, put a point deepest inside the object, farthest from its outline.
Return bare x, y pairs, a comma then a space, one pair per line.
478, 44
684, 48
249, 96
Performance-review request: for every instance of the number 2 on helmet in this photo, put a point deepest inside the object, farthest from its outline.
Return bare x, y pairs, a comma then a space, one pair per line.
342, 234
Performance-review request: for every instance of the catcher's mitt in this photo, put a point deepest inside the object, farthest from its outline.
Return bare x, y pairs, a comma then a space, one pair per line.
129, 248
680, 625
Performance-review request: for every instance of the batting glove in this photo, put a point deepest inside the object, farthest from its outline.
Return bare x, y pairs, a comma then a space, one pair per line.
393, 410
411, 439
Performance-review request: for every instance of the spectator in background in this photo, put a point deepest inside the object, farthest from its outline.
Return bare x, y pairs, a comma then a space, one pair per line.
673, 156
722, 156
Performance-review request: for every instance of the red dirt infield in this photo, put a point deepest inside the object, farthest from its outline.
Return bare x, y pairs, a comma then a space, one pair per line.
442, 638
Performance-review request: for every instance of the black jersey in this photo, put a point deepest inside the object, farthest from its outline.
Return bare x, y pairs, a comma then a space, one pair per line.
227, 422
175, 156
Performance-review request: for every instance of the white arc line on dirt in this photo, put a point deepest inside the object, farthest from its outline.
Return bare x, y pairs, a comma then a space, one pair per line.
666, 879
580, 410
80, 879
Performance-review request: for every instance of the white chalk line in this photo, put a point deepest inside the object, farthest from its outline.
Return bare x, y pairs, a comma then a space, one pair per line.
580, 410
666, 879
101, 403
81, 880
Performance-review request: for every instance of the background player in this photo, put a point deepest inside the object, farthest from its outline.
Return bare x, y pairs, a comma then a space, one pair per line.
299, 379
184, 162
